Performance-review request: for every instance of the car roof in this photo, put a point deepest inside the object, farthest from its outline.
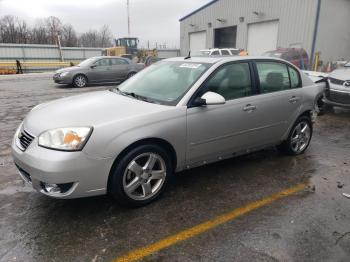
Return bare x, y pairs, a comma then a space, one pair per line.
104, 56
214, 60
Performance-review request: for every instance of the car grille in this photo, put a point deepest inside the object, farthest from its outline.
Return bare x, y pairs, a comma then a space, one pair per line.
336, 81
342, 98
24, 140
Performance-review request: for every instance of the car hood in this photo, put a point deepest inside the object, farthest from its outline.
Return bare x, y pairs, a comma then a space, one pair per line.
92, 109
68, 69
341, 74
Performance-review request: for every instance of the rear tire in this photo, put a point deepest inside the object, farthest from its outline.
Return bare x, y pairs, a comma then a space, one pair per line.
140, 176
299, 137
79, 81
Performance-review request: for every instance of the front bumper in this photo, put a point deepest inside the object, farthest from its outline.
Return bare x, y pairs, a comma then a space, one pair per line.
62, 80
338, 98
78, 173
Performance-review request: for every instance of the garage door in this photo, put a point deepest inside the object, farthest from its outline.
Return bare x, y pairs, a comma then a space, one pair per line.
198, 40
262, 37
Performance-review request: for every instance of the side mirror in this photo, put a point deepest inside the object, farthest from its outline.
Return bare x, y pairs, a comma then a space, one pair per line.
93, 66
210, 98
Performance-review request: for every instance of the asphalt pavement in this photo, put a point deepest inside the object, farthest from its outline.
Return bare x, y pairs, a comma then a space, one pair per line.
312, 224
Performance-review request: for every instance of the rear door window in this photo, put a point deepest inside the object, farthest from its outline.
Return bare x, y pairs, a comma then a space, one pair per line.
117, 61
215, 53
273, 76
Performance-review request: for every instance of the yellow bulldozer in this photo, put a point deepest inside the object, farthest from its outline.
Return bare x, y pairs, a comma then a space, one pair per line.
127, 47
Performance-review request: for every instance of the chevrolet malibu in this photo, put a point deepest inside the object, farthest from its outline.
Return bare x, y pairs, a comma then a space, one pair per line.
99, 69
176, 114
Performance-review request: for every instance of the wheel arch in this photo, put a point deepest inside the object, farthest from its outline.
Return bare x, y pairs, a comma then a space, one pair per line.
77, 74
146, 141
305, 112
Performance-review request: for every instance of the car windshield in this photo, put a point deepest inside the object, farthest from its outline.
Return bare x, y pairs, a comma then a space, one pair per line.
87, 62
347, 64
165, 82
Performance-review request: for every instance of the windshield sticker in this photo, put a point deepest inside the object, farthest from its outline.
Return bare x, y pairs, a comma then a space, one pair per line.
192, 66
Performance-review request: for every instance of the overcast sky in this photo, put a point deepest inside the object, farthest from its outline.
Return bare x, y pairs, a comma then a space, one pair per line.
154, 20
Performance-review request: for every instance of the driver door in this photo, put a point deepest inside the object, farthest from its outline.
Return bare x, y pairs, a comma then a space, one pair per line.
217, 131
101, 71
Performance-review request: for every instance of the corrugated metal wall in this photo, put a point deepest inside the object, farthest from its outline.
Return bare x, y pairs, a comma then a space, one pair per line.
296, 21
10, 52
333, 37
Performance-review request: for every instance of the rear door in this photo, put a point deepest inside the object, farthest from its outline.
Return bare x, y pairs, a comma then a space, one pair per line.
120, 68
279, 100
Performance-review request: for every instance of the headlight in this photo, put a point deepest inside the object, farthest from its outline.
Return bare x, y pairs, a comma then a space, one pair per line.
64, 74
65, 139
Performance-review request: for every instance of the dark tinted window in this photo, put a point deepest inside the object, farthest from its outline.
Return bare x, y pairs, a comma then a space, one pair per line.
295, 55
231, 81
225, 52
273, 76
215, 53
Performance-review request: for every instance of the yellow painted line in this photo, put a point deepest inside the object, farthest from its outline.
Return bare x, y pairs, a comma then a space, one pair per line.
205, 226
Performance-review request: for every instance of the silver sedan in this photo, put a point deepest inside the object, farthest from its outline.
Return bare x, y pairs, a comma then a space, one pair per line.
176, 114
100, 69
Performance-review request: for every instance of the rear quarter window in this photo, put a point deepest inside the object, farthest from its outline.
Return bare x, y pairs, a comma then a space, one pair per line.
294, 77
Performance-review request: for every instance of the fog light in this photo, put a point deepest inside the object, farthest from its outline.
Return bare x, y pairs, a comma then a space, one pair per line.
51, 188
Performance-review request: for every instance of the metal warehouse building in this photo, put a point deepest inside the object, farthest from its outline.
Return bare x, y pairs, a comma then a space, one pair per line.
262, 25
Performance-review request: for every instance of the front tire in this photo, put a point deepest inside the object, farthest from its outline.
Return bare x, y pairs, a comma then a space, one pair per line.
141, 176
80, 81
299, 137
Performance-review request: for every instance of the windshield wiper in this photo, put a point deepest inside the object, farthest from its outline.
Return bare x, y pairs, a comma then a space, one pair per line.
133, 95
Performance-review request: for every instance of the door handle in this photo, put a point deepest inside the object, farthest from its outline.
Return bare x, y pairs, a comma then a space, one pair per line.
249, 108
294, 99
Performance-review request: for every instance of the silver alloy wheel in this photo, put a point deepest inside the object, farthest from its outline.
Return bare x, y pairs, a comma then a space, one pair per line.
80, 81
144, 176
300, 137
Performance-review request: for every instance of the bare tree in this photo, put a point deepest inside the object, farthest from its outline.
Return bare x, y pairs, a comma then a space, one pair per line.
8, 29
39, 33
45, 31
89, 39
23, 32
54, 28
69, 36
105, 36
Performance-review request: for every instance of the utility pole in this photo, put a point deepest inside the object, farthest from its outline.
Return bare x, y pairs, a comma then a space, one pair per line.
60, 48
128, 11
